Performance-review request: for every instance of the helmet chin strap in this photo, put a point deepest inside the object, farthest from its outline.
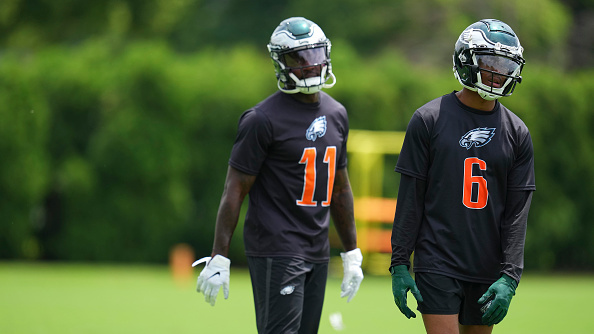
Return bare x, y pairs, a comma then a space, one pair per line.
284, 90
308, 85
487, 96
330, 85
482, 93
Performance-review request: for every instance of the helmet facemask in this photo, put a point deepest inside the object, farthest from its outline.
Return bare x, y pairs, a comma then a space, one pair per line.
305, 70
496, 75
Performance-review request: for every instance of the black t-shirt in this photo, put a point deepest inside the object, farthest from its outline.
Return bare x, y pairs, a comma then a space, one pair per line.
469, 160
294, 149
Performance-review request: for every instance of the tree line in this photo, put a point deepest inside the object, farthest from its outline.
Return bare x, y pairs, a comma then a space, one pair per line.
119, 116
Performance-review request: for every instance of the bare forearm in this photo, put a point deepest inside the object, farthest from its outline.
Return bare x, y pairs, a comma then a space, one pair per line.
227, 218
342, 211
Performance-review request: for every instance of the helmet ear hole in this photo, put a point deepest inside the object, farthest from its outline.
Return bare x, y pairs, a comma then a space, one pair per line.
474, 70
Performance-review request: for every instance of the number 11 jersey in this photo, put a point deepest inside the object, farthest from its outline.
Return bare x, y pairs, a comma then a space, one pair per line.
294, 149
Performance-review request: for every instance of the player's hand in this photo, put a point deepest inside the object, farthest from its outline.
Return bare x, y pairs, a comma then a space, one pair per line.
502, 292
353, 275
215, 273
401, 283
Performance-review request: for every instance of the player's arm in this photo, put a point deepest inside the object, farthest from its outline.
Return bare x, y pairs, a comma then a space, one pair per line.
413, 165
237, 186
521, 185
217, 270
343, 216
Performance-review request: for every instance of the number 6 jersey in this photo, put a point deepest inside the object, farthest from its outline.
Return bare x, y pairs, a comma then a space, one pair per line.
469, 160
294, 149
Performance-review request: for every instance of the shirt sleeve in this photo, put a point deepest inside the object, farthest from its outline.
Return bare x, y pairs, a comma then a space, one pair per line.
342, 159
513, 232
414, 157
407, 220
521, 176
254, 136
521, 184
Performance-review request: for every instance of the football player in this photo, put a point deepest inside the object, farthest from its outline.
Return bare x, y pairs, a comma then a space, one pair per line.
290, 157
467, 178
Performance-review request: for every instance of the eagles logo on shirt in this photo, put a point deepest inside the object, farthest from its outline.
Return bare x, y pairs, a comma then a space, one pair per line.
478, 137
317, 129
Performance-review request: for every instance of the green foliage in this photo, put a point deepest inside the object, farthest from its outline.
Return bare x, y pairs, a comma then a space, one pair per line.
115, 154
24, 173
422, 30
119, 116
122, 151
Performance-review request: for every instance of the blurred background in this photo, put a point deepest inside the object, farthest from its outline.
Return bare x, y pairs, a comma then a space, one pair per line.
118, 116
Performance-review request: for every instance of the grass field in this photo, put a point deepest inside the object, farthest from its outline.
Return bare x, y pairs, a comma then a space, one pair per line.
84, 298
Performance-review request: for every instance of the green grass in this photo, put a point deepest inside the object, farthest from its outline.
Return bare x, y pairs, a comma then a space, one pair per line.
84, 298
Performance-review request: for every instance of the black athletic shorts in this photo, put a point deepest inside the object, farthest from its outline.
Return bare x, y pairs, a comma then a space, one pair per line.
288, 294
447, 295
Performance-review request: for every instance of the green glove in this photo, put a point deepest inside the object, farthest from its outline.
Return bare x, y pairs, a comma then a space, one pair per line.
502, 290
401, 283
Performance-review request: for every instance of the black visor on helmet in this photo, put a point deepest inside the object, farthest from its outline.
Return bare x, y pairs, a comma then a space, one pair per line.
497, 64
305, 57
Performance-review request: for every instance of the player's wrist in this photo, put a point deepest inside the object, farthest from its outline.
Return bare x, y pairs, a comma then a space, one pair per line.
353, 256
399, 270
508, 280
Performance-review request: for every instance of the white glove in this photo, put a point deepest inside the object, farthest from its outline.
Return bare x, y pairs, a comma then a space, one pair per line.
215, 273
353, 275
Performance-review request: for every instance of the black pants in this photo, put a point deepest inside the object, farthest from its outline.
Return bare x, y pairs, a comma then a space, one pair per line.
288, 294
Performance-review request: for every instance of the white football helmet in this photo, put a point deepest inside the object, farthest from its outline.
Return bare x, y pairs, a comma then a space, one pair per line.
300, 53
488, 59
